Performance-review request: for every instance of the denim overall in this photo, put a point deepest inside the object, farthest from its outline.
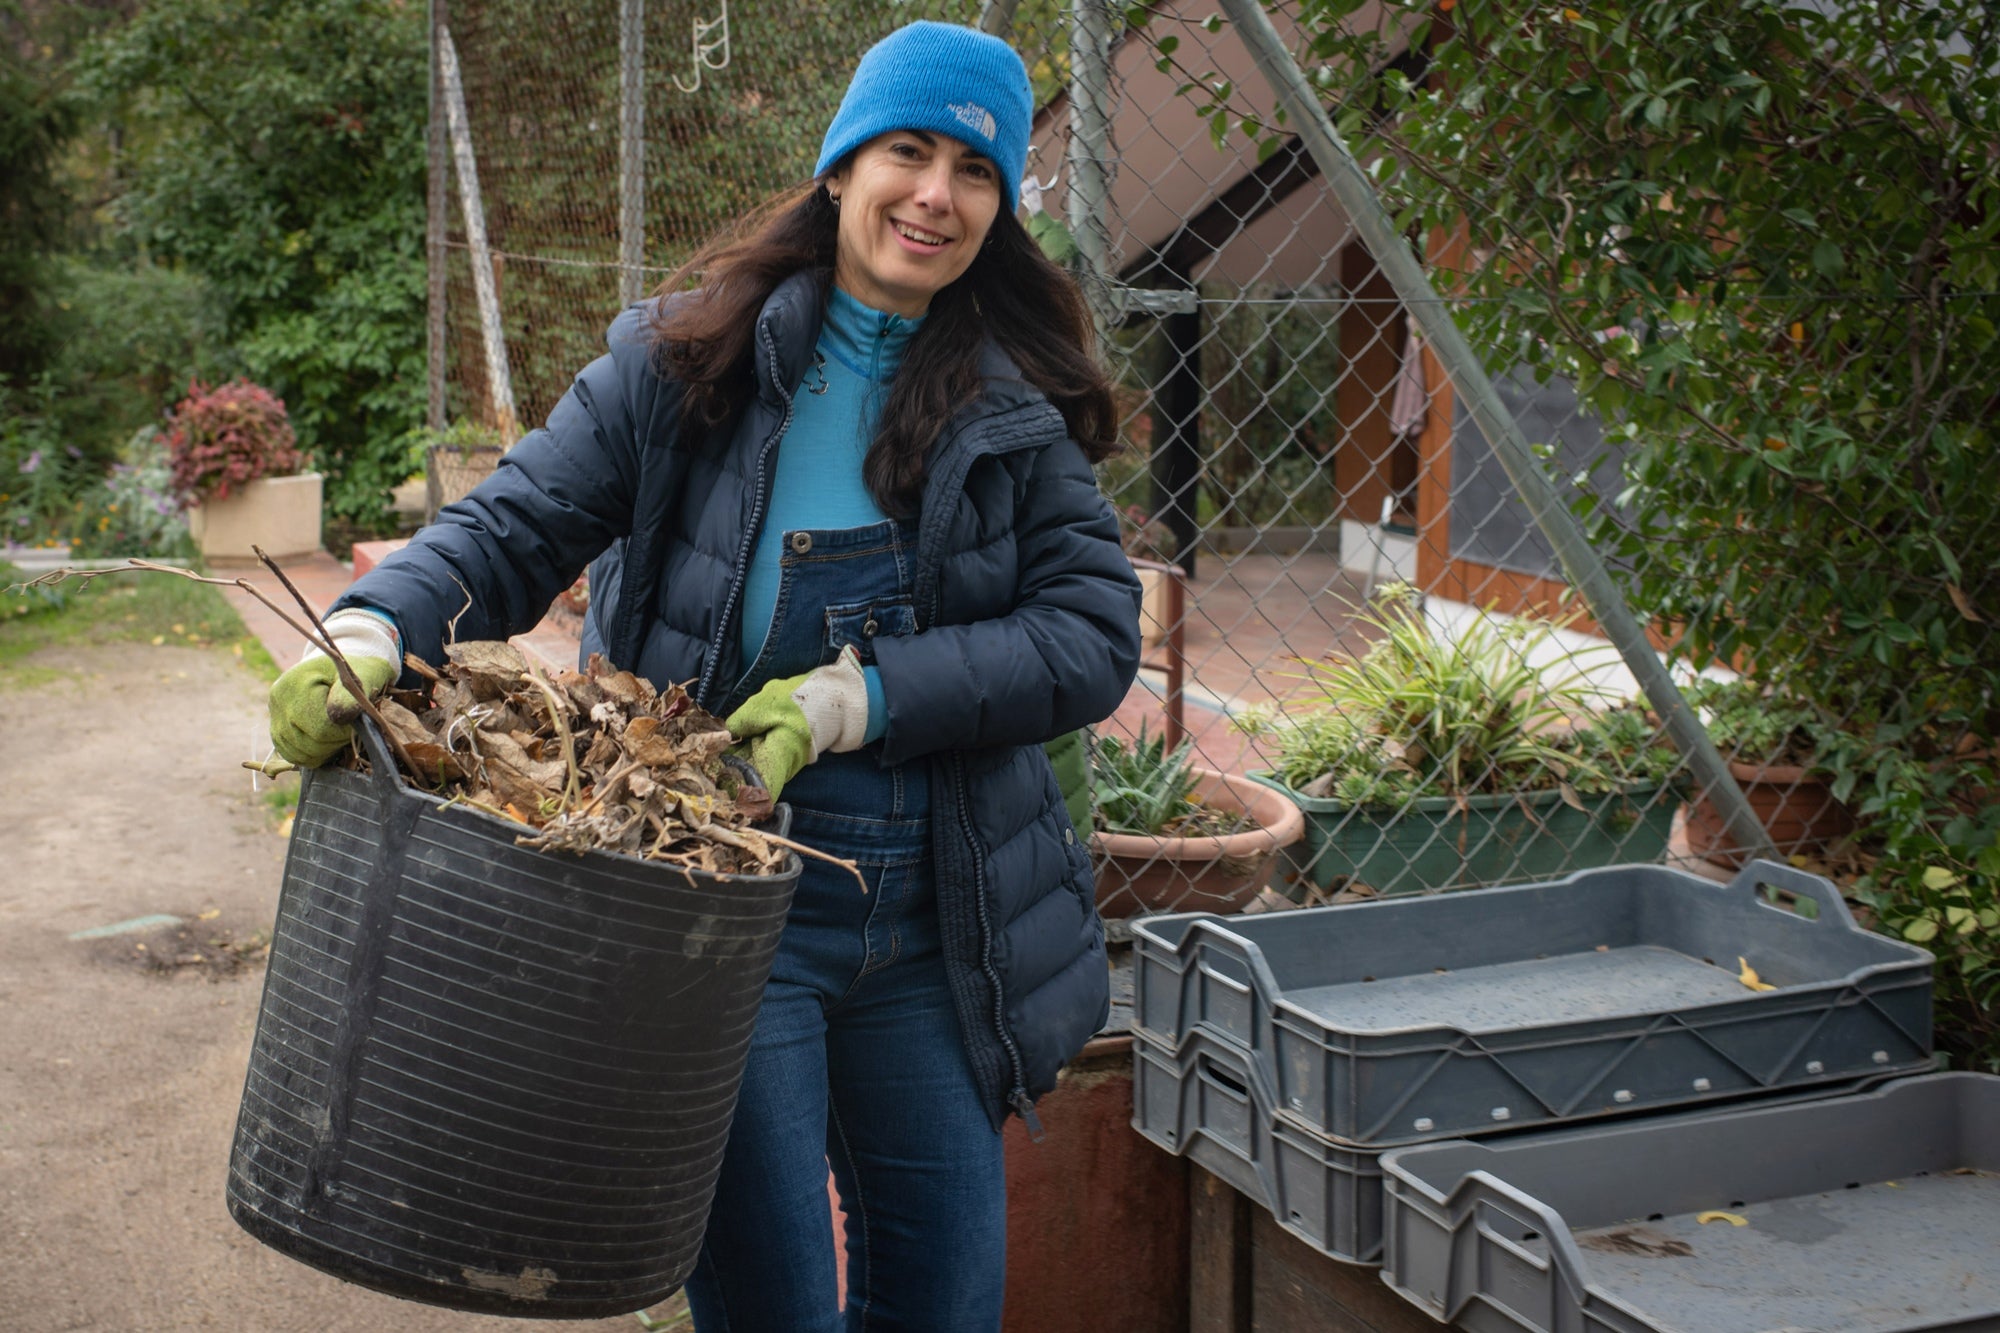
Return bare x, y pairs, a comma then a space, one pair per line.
856, 1060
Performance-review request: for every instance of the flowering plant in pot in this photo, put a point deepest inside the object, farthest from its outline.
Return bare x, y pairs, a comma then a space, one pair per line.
237, 467
1432, 761
221, 439
1172, 835
1777, 748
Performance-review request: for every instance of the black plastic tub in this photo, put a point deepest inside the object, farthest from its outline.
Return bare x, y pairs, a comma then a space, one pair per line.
487, 1077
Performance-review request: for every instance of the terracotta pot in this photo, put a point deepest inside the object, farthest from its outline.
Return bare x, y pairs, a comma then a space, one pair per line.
1796, 807
1157, 874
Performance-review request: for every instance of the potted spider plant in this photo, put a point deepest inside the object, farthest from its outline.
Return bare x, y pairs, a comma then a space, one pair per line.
1171, 835
1773, 745
1433, 761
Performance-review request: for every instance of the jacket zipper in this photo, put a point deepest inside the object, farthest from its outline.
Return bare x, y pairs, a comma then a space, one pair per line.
1017, 1096
750, 532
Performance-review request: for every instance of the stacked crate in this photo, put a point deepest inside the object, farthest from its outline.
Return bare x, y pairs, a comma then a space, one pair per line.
1286, 1053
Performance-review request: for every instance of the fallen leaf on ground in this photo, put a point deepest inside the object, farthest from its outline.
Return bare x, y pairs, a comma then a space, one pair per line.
1733, 1219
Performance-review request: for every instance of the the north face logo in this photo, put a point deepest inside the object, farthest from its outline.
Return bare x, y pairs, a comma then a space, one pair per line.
975, 118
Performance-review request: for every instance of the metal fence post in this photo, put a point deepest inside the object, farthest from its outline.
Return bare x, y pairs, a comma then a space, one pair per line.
631, 149
996, 17
499, 380
436, 219
1580, 563
1089, 151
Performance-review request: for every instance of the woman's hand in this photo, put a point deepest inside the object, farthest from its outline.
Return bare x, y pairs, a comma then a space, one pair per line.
792, 722
312, 713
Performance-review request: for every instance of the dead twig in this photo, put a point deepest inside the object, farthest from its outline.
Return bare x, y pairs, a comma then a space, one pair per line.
720, 834
315, 635
324, 642
572, 789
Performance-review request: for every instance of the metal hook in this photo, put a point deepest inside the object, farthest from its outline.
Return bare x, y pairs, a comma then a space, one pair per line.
706, 46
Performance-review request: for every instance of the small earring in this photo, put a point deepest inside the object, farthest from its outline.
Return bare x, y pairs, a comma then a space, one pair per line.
834, 198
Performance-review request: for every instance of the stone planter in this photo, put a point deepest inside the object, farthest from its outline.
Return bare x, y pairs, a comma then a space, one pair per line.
1438, 842
1157, 874
1795, 806
279, 514
451, 473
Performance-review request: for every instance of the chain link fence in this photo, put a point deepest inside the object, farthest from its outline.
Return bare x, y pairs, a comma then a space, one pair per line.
1696, 386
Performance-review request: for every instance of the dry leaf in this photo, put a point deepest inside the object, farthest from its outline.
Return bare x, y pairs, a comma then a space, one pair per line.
1734, 1219
592, 761
1963, 603
1748, 976
493, 668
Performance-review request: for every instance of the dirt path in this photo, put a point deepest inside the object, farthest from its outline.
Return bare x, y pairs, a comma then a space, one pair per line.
120, 1067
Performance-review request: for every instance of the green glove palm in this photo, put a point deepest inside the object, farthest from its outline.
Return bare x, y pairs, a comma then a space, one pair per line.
791, 722
778, 739
312, 713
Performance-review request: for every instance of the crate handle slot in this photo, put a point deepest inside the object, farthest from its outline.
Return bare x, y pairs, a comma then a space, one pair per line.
1222, 978
1818, 897
1230, 1081
1483, 1199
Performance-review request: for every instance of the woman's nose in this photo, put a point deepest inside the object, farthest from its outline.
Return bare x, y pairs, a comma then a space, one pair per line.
934, 187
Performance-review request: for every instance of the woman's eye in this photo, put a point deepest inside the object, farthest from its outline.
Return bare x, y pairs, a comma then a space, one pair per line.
979, 170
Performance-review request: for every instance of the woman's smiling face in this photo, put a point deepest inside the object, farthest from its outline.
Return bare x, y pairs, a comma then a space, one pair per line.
914, 209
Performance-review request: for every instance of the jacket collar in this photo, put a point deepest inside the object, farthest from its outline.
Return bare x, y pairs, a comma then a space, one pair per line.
787, 331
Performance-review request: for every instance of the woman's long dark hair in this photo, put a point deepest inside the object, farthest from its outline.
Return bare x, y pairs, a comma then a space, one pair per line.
1011, 294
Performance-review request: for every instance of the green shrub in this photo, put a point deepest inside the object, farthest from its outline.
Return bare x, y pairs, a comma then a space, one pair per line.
135, 511
42, 474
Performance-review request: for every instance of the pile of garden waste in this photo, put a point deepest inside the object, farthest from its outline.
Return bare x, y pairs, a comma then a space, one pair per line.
597, 760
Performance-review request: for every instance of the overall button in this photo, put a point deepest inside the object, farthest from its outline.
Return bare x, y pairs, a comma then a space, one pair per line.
802, 542
868, 630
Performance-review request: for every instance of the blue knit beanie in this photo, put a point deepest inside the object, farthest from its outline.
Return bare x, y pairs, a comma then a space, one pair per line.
944, 79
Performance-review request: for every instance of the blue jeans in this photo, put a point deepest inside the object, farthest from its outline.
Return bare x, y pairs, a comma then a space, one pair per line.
856, 1061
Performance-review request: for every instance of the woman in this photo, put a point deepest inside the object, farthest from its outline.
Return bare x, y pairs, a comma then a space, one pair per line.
845, 489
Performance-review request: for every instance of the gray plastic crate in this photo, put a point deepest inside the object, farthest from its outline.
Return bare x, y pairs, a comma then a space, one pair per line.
1608, 992
1208, 1104
1873, 1213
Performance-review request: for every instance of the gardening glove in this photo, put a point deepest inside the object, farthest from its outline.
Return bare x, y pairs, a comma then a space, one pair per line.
790, 723
312, 713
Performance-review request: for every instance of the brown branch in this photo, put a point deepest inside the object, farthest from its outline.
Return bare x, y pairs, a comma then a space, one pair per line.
737, 840
573, 787
316, 636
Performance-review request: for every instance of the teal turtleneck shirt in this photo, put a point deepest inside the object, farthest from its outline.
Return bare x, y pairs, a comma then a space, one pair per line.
818, 482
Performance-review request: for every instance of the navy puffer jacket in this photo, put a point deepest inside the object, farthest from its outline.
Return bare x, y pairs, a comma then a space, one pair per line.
1028, 627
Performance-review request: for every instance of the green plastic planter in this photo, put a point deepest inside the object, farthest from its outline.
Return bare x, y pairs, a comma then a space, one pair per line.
1434, 843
